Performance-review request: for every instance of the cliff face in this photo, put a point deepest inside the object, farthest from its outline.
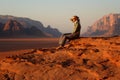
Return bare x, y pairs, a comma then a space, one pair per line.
53, 31
13, 28
28, 23
82, 59
108, 25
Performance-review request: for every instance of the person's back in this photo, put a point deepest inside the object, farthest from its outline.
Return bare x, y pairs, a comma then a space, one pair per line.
77, 27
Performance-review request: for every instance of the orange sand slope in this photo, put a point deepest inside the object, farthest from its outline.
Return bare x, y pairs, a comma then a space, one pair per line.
82, 59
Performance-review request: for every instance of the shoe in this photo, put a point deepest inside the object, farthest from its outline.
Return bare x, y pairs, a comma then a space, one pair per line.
60, 47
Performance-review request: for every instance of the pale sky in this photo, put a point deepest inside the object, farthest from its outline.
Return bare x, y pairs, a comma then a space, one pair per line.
57, 13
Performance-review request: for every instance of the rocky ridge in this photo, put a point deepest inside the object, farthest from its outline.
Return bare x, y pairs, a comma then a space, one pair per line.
28, 24
13, 28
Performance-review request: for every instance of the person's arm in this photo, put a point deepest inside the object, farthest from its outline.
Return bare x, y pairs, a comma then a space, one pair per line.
76, 25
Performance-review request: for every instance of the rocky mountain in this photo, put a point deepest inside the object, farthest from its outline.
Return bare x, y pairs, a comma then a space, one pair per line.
27, 23
12, 25
1, 26
108, 25
13, 28
52, 31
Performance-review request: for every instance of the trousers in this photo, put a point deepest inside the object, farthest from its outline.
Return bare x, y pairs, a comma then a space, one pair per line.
65, 37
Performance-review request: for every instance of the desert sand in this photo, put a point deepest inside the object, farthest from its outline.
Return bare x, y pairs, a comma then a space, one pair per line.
23, 45
81, 59
29, 43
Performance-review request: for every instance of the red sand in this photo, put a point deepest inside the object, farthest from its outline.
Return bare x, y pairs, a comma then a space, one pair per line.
82, 59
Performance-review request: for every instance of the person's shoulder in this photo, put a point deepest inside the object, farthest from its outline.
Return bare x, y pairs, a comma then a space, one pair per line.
77, 22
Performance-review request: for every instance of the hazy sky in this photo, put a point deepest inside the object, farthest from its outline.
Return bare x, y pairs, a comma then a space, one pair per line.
58, 12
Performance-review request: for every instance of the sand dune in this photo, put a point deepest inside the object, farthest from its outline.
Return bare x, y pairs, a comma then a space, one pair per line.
81, 59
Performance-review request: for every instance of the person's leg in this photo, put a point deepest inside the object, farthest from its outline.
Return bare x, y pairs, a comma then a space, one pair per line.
72, 36
63, 39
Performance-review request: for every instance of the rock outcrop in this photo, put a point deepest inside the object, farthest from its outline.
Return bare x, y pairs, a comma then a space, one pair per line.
81, 59
107, 26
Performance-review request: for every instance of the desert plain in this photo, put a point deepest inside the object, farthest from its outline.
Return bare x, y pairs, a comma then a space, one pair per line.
12, 46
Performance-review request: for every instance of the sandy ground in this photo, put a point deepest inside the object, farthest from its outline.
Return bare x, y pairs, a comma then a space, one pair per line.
16, 46
81, 59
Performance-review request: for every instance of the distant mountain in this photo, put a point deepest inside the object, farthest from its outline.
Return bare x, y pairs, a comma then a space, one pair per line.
28, 27
107, 26
53, 31
12, 28
1, 26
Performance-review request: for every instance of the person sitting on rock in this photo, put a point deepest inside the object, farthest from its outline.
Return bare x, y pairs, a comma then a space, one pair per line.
70, 36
